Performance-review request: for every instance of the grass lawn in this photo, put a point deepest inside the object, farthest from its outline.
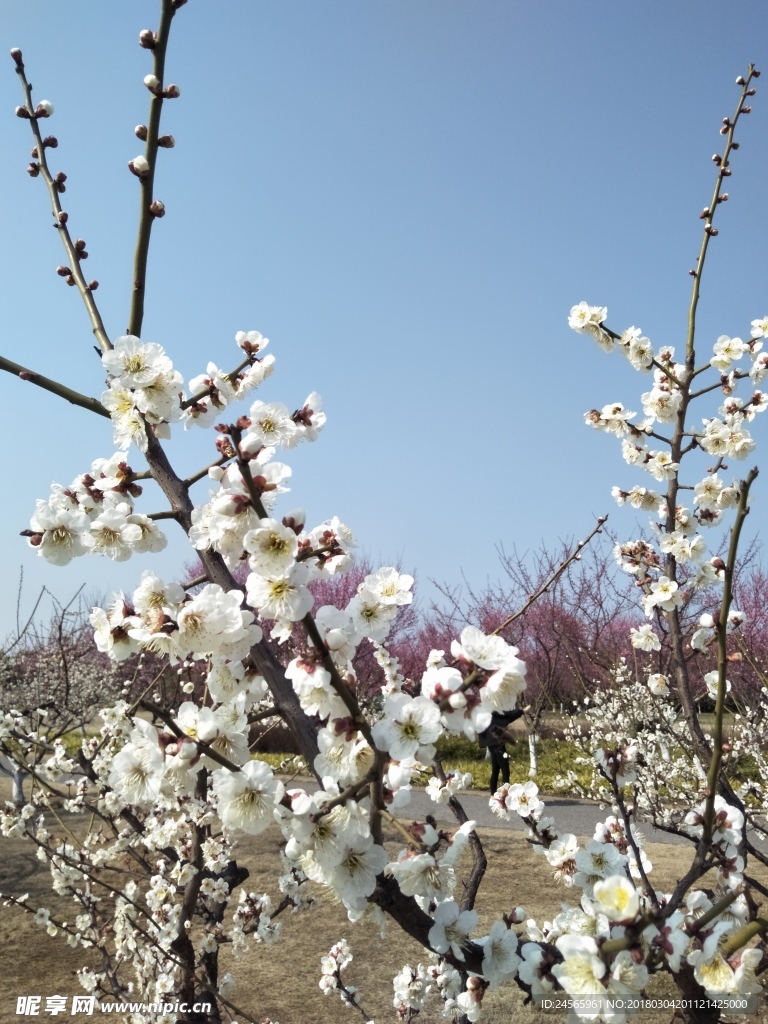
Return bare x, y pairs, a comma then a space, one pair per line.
555, 758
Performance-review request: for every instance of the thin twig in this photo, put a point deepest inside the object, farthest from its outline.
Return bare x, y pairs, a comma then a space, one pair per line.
73, 397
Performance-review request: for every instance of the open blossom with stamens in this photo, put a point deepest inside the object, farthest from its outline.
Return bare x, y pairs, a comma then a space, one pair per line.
354, 877
112, 630
284, 597
59, 534
452, 928
247, 799
500, 959
113, 535
582, 970
214, 623
390, 586
136, 773
423, 875
271, 424
665, 594
371, 617
617, 898
272, 548
407, 724
644, 638
134, 363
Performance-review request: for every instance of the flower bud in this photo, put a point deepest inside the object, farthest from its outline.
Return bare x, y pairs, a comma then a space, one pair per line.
92, 286
519, 915
139, 166
751, 92
22, 112
147, 39
724, 130
44, 108
33, 170
726, 173
63, 217
140, 131
157, 208
295, 520
755, 73
63, 271
740, 80
735, 145
79, 244
16, 54
152, 82
69, 280
746, 110
50, 142
166, 141
717, 159
171, 92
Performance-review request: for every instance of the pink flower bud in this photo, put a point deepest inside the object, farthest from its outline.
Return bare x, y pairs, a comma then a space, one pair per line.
171, 92
147, 39
157, 208
166, 141
139, 166
16, 54
140, 131
22, 112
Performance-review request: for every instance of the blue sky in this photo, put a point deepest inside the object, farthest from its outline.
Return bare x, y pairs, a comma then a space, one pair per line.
406, 197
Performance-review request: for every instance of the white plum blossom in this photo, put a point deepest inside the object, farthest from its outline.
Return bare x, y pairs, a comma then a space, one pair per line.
452, 928
644, 638
246, 799
617, 898
59, 534
408, 723
283, 597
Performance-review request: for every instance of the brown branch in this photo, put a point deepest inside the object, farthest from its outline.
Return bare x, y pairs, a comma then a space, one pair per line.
60, 217
146, 215
554, 577
73, 397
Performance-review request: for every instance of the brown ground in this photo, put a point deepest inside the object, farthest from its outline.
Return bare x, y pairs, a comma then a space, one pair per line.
281, 981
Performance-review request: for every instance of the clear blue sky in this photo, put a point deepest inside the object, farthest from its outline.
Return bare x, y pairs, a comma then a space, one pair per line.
407, 197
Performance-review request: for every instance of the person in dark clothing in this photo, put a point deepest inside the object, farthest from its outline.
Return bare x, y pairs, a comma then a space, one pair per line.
495, 738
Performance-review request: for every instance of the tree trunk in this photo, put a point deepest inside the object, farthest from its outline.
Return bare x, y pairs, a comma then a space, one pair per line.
18, 775
533, 751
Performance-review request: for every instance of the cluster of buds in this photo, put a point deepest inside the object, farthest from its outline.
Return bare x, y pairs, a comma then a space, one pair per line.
155, 86
43, 109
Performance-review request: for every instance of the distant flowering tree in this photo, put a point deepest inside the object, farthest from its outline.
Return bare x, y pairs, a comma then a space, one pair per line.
53, 682
157, 886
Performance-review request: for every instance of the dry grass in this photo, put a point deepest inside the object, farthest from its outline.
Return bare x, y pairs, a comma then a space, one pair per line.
281, 981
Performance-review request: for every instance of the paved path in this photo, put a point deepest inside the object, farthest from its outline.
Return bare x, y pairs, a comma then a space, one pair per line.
576, 816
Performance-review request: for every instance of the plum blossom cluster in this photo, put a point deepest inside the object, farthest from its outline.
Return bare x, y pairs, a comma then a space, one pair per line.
677, 541
96, 515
